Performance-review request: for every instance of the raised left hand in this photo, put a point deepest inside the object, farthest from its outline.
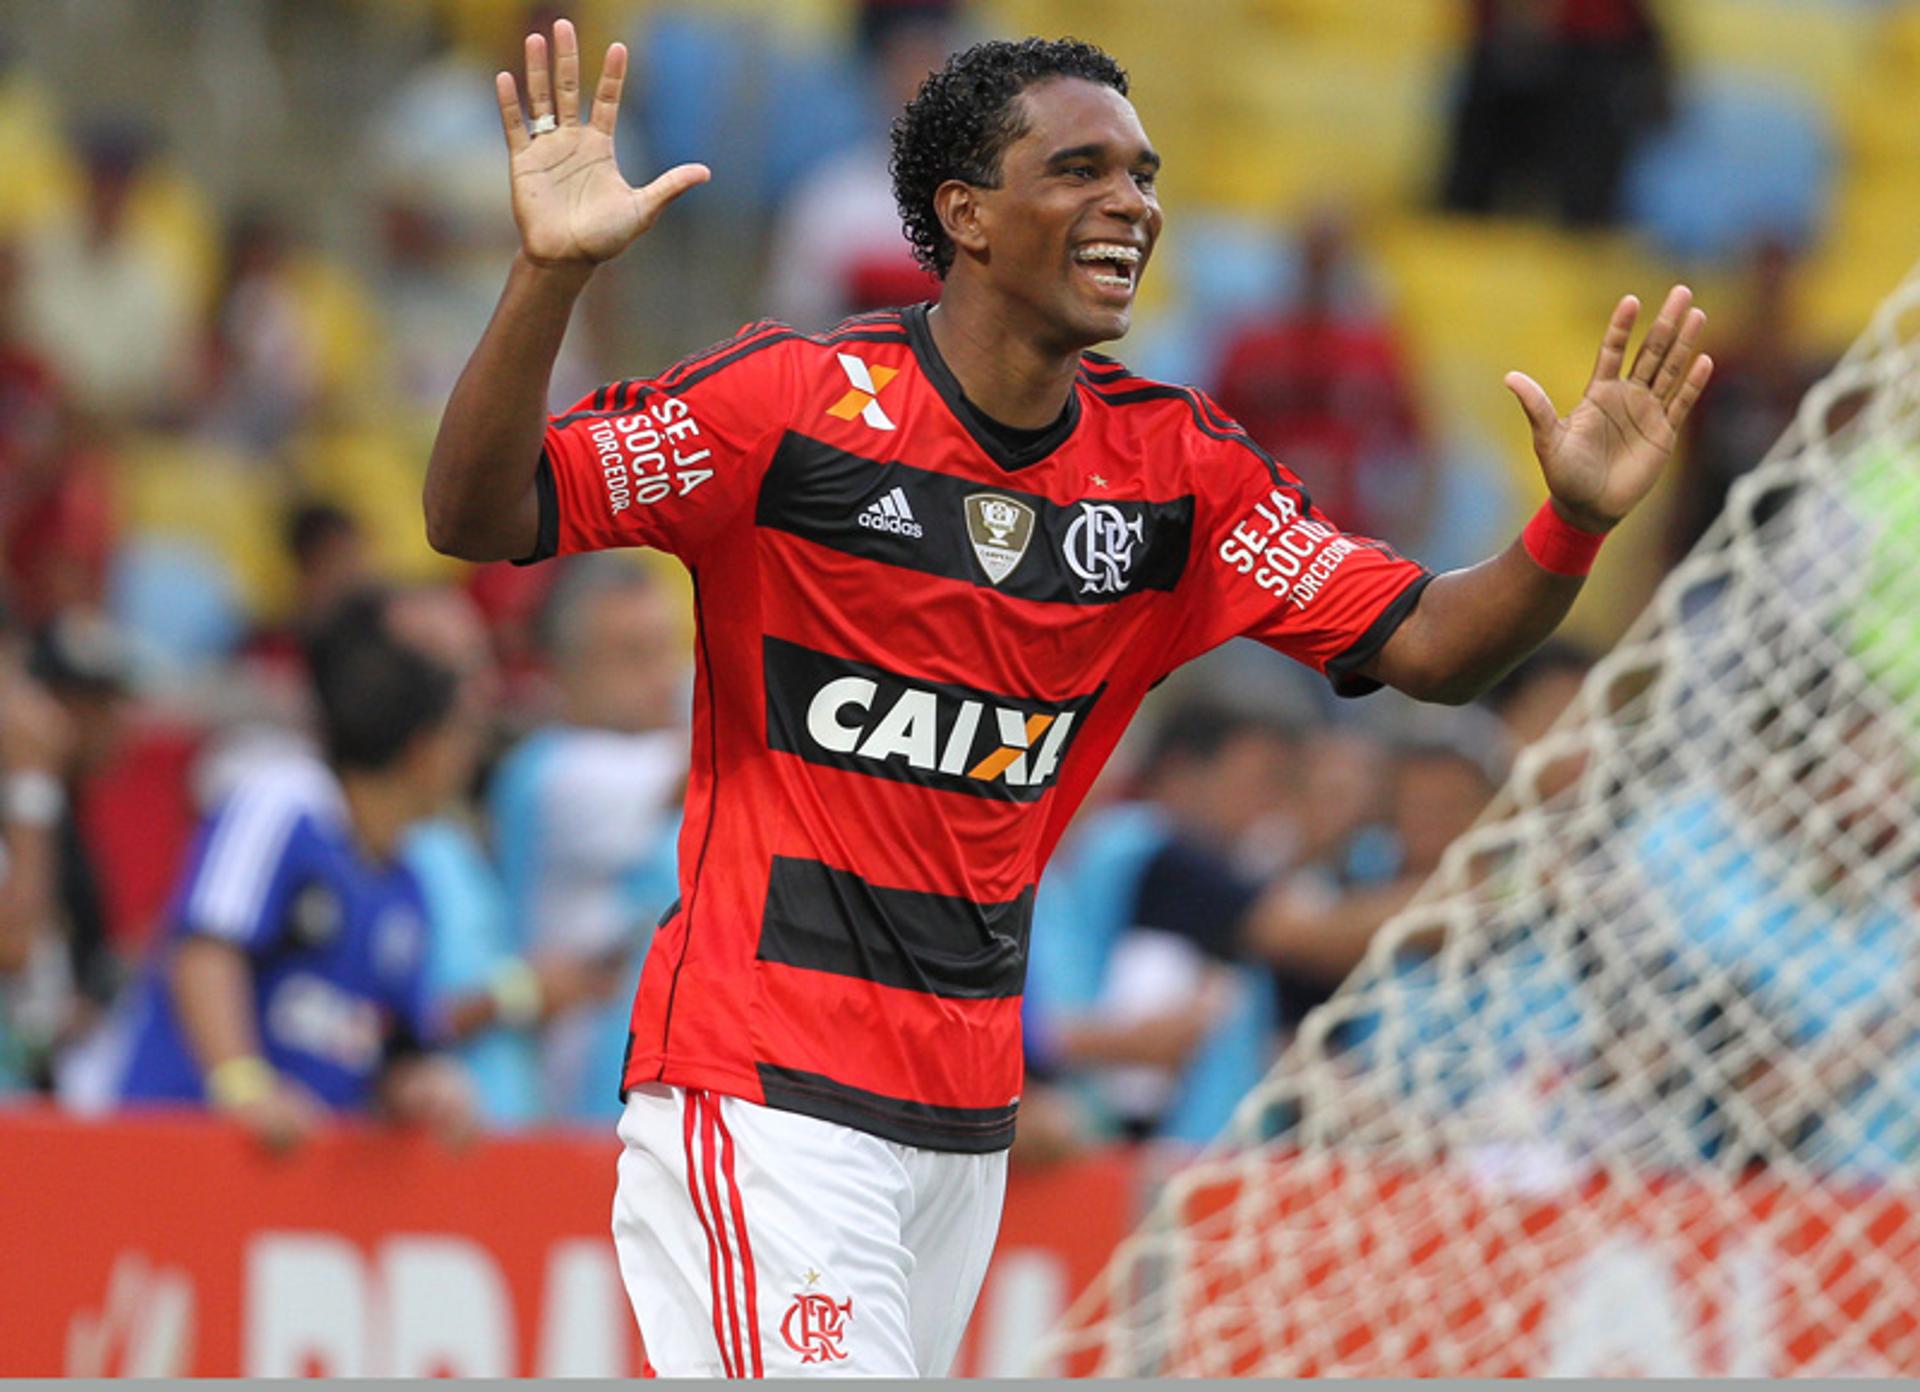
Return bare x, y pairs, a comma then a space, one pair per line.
1605, 456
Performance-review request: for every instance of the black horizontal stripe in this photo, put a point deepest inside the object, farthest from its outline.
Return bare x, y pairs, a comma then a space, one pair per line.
829, 920
974, 1130
820, 492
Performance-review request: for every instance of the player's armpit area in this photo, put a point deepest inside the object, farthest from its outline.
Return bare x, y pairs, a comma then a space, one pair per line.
1352, 671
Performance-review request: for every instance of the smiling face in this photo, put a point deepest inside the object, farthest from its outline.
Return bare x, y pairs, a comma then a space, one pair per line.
1064, 239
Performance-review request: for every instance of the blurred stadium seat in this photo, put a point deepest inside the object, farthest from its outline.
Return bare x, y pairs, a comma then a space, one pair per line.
1743, 159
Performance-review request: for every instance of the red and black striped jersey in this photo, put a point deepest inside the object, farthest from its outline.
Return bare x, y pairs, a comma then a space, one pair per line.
915, 650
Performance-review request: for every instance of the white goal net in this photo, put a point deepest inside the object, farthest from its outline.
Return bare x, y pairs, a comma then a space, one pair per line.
1634, 1085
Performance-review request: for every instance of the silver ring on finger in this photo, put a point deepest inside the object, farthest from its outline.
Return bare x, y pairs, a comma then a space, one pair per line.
542, 124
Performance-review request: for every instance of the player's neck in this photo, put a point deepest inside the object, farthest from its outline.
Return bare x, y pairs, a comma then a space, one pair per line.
1001, 368
380, 809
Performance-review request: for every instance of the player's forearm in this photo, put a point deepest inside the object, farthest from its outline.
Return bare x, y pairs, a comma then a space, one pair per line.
1473, 626
213, 994
479, 497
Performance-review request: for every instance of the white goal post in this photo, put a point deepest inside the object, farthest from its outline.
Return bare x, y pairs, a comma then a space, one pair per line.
1652, 1105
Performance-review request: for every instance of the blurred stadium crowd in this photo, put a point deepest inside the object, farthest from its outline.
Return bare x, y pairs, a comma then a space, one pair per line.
240, 270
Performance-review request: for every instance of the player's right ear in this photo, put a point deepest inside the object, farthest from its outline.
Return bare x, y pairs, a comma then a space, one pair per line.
959, 208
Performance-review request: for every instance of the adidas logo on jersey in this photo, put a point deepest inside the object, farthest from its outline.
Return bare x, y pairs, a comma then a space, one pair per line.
890, 512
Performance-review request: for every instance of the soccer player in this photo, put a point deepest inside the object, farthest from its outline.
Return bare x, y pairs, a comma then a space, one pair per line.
939, 556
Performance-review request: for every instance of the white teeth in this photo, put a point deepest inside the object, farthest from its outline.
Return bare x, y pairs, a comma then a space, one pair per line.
1109, 251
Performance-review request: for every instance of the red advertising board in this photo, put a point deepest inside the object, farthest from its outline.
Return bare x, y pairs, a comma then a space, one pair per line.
169, 1246
1319, 1267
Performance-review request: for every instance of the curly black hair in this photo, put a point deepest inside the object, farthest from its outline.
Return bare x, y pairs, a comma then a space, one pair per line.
963, 118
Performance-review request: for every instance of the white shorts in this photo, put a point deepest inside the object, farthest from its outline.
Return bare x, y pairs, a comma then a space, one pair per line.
760, 1242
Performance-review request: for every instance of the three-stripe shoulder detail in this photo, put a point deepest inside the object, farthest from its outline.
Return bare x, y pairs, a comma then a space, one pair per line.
1112, 385
618, 398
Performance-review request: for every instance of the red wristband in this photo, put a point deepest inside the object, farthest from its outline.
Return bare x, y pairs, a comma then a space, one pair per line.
1557, 545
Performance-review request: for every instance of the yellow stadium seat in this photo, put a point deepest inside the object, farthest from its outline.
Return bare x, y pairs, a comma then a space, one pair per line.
376, 475
42, 179
1821, 48
223, 501
345, 326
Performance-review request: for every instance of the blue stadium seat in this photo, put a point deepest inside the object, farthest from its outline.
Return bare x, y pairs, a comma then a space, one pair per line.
815, 104
762, 112
177, 603
695, 99
1743, 158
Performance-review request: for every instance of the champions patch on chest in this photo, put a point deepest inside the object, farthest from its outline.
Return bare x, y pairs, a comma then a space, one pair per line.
1089, 551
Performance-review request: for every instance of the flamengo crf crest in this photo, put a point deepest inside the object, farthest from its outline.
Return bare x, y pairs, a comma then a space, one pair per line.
999, 528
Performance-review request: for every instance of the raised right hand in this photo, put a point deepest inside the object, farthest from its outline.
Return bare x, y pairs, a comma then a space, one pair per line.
570, 201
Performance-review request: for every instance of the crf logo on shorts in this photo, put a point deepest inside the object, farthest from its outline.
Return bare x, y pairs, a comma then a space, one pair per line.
853, 715
815, 1325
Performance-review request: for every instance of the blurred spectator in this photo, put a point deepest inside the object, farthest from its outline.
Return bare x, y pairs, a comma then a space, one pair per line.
877, 22
78, 664
1325, 388
293, 978
56, 515
837, 248
1173, 1033
328, 549
102, 299
1555, 97
1319, 925
1532, 697
29, 395
1530, 700
585, 812
1339, 813
35, 748
490, 998
1760, 375
264, 368
57, 525
1825, 960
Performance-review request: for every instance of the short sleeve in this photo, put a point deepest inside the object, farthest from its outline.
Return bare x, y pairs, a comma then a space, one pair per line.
1270, 565
242, 870
667, 462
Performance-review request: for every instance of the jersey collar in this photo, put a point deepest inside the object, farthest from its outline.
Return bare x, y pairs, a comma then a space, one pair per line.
978, 425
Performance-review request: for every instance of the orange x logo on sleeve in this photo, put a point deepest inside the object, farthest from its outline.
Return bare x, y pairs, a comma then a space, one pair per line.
862, 398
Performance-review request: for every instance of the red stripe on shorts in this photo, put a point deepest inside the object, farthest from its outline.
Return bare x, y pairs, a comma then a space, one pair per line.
746, 1249
709, 1105
689, 1101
